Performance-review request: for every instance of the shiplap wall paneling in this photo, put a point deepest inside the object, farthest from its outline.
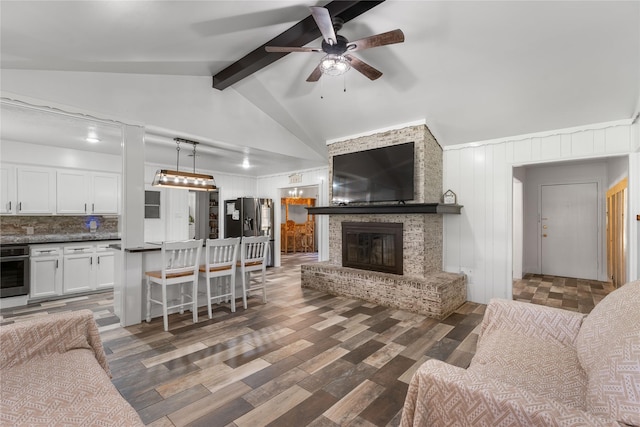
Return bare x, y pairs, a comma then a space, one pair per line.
478, 242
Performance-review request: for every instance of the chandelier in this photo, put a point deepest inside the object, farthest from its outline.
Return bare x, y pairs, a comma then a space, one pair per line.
186, 180
334, 65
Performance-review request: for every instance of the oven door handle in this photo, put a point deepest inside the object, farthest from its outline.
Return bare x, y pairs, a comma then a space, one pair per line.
14, 258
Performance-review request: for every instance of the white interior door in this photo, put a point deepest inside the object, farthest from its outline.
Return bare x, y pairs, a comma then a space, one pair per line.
569, 230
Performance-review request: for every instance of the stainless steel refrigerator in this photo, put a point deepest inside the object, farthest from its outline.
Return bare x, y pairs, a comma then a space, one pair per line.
248, 216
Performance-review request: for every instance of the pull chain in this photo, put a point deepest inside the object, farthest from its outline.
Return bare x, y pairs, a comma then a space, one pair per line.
194, 158
178, 155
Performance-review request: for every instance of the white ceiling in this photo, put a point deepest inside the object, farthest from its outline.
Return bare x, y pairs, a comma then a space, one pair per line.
471, 71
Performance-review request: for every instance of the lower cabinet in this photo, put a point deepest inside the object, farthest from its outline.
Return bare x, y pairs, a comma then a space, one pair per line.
71, 268
78, 272
46, 271
105, 266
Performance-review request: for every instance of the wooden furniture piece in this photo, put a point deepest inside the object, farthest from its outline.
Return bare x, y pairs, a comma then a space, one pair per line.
180, 261
253, 257
307, 238
289, 234
221, 256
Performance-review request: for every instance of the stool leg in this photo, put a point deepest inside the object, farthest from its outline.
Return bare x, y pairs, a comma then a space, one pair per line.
194, 299
209, 296
165, 317
232, 285
244, 289
148, 300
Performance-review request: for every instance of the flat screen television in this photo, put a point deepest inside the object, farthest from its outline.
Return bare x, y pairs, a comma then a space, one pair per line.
378, 175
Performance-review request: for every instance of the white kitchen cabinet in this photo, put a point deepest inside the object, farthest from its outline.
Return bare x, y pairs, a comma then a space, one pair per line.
105, 266
46, 271
105, 193
78, 272
72, 192
8, 204
84, 192
36, 190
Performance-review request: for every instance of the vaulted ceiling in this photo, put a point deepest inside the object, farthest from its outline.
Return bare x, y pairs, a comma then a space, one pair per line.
472, 71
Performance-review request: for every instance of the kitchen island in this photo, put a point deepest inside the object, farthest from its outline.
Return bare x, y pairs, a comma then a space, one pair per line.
150, 256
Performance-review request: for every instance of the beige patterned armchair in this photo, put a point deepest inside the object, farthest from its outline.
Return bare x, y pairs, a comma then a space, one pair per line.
539, 366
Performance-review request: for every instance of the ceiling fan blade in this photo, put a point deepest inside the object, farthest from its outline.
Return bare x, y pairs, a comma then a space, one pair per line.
325, 24
315, 74
382, 39
291, 49
363, 67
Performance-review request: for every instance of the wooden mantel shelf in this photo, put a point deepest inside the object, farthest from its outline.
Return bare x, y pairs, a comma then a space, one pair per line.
409, 208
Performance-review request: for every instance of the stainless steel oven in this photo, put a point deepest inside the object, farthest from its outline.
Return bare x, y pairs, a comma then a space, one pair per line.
14, 271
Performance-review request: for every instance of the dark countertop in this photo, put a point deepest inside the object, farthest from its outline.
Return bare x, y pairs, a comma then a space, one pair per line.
148, 247
57, 238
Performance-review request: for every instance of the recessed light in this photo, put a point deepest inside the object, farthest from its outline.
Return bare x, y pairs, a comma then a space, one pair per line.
245, 164
92, 139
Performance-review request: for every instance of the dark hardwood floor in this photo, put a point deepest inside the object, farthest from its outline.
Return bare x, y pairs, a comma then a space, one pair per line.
304, 358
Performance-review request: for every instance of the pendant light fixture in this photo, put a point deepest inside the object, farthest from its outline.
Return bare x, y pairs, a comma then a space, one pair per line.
185, 180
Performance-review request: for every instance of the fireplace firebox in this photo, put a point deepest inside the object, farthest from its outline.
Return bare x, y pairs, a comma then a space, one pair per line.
374, 246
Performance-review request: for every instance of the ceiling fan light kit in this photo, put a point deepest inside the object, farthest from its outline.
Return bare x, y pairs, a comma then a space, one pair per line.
337, 61
184, 180
334, 65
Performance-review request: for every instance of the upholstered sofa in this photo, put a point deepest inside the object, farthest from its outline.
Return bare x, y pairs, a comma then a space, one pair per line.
539, 366
54, 372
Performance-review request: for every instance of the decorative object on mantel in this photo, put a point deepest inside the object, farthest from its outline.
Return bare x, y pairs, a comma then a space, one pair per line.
186, 180
449, 198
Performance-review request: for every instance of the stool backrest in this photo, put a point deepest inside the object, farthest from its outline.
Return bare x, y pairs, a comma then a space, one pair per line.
222, 252
254, 249
181, 257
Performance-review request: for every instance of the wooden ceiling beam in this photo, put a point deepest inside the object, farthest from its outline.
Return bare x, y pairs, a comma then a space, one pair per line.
299, 35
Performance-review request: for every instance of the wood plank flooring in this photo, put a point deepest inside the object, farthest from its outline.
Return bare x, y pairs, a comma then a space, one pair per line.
303, 359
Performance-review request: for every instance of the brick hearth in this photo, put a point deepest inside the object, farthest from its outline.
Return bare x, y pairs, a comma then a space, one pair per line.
423, 287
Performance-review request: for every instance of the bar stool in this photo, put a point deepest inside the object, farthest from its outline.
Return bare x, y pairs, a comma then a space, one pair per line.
253, 257
290, 232
221, 256
180, 262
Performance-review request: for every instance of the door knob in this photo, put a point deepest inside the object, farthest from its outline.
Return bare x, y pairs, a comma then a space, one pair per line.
544, 235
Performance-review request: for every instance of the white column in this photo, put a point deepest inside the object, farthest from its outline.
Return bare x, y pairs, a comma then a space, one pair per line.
128, 288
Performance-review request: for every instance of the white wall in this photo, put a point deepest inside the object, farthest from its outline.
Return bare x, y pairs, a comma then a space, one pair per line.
182, 105
572, 173
270, 186
57, 157
479, 241
617, 169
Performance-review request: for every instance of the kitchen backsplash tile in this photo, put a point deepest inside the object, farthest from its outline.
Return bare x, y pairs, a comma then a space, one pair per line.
18, 225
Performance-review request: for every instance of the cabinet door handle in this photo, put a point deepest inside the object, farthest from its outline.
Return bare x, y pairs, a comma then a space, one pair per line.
85, 208
93, 207
56, 263
98, 258
19, 206
91, 261
9, 206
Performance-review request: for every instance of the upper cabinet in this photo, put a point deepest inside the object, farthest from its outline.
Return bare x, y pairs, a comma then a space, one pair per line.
8, 204
80, 192
105, 193
36, 190
72, 192
26, 190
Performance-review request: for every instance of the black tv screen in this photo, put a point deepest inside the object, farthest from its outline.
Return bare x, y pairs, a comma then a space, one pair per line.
379, 175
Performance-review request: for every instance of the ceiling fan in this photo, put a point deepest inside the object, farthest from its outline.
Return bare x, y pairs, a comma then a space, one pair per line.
338, 59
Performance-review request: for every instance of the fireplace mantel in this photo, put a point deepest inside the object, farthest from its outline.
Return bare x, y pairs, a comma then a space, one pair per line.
410, 208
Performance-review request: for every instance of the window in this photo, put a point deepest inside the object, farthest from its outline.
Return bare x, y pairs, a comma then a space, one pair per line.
152, 204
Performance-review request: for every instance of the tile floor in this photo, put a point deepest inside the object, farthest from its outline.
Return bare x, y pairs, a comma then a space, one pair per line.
304, 358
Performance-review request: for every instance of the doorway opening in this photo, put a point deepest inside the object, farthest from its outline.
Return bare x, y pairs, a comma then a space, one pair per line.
298, 228
550, 258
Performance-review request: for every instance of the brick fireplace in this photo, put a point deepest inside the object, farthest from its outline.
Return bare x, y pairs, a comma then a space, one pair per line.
416, 283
